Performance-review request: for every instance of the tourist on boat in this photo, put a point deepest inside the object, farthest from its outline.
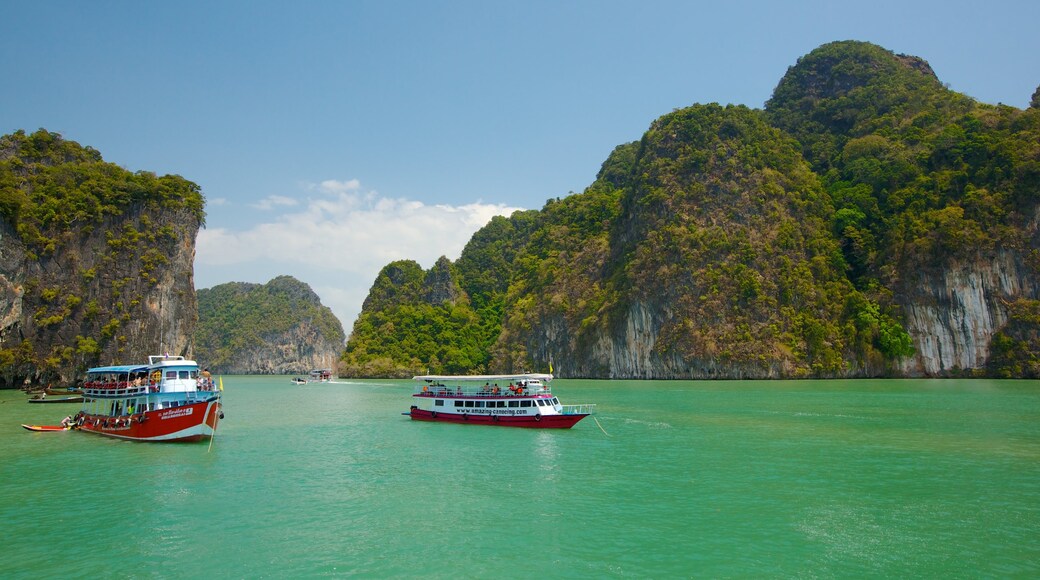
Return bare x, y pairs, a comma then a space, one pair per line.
67, 421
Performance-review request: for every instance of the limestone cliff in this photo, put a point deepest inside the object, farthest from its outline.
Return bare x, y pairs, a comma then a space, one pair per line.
96, 263
868, 222
276, 328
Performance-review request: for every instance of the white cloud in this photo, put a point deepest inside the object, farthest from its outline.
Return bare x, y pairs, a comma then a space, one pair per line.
273, 201
337, 242
334, 186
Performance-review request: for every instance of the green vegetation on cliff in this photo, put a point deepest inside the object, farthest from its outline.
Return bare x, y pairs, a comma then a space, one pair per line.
50, 186
740, 242
410, 311
918, 174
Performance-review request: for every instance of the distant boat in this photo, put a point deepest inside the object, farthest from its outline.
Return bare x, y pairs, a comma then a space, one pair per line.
320, 376
165, 399
56, 400
523, 400
299, 381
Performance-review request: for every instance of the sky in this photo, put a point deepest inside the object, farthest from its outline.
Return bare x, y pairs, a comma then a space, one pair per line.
333, 137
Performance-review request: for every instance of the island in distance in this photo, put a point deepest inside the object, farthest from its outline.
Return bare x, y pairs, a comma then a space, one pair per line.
279, 327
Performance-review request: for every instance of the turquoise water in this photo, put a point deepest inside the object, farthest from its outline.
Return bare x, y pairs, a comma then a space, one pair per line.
707, 479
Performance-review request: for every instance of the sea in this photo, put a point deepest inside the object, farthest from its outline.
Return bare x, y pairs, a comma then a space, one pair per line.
670, 479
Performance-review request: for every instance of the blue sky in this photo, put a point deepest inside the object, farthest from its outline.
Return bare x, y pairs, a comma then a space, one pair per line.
331, 137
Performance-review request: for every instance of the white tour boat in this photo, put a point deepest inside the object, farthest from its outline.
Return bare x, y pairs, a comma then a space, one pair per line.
523, 400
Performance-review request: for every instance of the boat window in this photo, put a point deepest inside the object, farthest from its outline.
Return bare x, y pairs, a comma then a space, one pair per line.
438, 402
171, 374
184, 374
469, 403
556, 401
458, 403
479, 403
525, 403
501, 403
540, 402
514, 403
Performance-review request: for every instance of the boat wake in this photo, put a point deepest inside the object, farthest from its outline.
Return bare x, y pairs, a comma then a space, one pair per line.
650, 424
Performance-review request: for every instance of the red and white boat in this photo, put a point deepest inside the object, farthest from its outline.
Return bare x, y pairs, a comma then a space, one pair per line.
508, 400
164, 400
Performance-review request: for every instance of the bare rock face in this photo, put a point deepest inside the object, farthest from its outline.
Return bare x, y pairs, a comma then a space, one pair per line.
440, 286
91, 304
953, 314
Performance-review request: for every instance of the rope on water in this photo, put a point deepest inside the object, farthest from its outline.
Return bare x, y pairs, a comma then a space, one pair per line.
600, 426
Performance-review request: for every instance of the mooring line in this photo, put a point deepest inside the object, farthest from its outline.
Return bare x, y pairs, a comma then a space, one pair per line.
600, 426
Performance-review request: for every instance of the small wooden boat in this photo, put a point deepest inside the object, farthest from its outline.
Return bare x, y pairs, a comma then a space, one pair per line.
58, 400
46, 427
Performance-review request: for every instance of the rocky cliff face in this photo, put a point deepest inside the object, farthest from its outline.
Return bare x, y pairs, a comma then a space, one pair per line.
91, 303
953, 314
294, 352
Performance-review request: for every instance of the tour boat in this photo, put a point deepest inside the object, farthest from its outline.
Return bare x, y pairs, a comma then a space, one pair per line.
164, 400
316, 376
523, 400
320, 376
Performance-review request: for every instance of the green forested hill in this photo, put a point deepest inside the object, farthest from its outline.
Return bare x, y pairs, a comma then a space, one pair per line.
276, 328
917, 173
868, 222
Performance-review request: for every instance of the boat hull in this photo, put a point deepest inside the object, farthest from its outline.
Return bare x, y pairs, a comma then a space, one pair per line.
45, 428
193, 422
529, 421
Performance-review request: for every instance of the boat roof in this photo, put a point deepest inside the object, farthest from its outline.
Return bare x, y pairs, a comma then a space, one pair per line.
118, 369
485, 378
153, 361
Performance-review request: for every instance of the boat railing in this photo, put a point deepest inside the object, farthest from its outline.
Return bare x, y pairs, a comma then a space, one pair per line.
489, 391
202, 393
586, 409
118, 389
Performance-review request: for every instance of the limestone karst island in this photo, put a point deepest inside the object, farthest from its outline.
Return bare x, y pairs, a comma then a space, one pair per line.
867, 222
